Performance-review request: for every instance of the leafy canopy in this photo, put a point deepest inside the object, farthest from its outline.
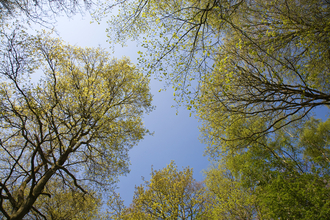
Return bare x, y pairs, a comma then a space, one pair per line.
256, 60
285, 176
67, 204
170, 194
76, 124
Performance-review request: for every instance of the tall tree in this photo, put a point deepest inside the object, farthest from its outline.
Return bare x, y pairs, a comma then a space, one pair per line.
65, 203
253, 59
170, 194
76, 124
284, 176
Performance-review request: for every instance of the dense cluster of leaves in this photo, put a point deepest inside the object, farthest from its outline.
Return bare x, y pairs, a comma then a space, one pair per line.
273, 68
289, 173
67, 204
170, 194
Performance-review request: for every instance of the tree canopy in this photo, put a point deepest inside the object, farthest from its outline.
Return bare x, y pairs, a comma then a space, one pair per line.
75, 124
228, 197
170, 194
65, 203
256, 60
285, 176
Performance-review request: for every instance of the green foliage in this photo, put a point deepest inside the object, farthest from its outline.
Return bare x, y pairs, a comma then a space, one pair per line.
229, 199
170, 194
173, 35
261, 67
284, 177
58, 203
259, 60
295, 196
76, 124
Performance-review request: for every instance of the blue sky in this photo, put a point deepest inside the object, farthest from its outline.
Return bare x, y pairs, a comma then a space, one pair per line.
175, 135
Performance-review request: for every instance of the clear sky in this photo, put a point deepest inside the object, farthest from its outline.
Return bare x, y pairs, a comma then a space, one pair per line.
175, 136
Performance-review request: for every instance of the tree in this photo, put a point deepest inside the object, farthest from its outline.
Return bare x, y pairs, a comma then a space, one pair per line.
286, 176
67, 204
40, 10
301, 181
229, 198
253, 59
170, 194
74, 126
274, 67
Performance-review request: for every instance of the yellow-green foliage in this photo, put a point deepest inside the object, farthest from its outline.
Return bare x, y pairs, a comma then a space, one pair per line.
261, 60
59, 203
229, 199
170, 194
76, 123
283, 176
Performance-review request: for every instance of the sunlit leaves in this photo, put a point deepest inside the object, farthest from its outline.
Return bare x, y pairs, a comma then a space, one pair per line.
261, 68
282, 174
170, 194
271, 68
172, 33
67, 204
76, 123
258, 58
229, 199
